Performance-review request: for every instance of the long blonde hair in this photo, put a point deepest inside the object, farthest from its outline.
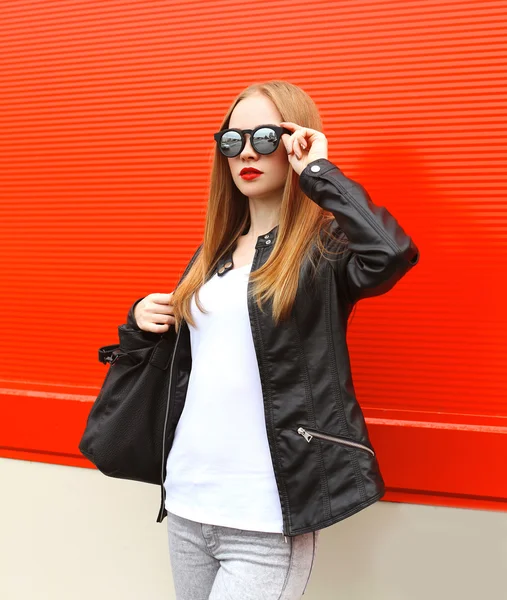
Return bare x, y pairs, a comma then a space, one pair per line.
301, 220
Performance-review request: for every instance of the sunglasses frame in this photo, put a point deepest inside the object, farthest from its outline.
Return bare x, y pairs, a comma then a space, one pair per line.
276, 128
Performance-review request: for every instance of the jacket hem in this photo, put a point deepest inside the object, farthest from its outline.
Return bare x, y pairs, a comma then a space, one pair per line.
337, 518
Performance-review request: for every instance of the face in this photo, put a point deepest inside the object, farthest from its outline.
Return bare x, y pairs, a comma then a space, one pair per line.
247, 114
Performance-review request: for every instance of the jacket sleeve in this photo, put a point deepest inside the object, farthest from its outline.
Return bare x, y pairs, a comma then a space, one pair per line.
379, 252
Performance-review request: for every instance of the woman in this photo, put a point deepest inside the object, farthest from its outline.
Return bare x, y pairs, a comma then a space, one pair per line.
265, 442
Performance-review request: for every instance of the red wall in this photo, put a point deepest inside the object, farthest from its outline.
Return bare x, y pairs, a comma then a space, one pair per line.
106, 117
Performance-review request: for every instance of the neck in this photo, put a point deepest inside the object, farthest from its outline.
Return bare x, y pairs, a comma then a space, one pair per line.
263, 217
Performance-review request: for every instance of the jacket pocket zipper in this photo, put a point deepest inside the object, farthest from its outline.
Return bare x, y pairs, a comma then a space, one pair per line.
308, 434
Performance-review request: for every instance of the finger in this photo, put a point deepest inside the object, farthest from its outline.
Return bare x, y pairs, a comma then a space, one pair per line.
293, 138
298, 130
290, 125
299, 152
160, 328
160, 315
163, 319
294, 146
300, 136
153, 327
298, 143
287, 142
295, 126
162, 299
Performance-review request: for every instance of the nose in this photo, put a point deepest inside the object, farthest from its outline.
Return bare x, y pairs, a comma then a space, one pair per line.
248, 150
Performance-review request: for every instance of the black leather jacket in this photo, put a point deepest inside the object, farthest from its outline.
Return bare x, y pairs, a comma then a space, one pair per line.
325, 466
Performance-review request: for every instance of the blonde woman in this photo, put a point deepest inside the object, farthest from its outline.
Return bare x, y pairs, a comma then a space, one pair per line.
265, 443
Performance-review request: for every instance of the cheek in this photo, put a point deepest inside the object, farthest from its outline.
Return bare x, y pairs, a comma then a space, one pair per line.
282, 164
281, 155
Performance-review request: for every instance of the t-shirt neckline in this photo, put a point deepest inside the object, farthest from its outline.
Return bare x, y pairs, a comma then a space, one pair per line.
240, 268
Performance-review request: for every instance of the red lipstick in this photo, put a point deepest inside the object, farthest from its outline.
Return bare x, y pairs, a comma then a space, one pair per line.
249, 173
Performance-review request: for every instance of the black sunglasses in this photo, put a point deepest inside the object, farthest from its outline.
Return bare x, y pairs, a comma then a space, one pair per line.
264, 139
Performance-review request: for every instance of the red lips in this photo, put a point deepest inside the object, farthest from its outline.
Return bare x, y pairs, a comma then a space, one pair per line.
249, 170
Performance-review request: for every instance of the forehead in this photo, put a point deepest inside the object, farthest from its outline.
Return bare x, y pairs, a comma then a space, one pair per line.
253, 111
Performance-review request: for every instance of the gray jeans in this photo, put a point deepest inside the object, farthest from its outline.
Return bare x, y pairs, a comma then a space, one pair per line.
211, 562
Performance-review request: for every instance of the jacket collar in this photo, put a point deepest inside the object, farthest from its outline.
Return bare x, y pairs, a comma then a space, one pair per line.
225, 263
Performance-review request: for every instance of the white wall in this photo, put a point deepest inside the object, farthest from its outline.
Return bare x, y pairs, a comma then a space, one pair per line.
70, 533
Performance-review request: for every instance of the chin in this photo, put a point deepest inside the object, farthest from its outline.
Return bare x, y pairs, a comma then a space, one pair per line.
245, 187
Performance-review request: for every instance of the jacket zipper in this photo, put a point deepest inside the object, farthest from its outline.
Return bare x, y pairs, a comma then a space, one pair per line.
308, 434
269, 424
162, 474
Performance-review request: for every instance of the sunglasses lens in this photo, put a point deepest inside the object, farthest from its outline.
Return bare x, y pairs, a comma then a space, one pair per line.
265, 140
230, 143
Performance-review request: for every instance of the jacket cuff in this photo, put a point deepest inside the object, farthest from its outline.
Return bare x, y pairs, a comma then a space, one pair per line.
312, 172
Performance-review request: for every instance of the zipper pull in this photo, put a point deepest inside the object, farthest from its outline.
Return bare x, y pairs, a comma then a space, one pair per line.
304, 433
112, 358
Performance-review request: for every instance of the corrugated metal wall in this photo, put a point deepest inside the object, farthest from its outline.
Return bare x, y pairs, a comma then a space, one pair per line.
107, 112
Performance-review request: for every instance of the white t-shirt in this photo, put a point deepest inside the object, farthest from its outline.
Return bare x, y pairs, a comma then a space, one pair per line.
219, 469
